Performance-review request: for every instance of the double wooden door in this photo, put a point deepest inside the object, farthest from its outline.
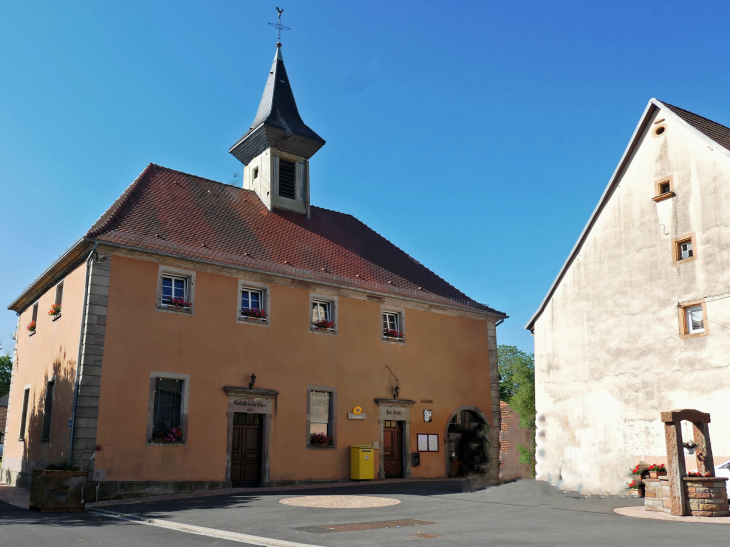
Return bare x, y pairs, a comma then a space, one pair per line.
247, 449
393, 449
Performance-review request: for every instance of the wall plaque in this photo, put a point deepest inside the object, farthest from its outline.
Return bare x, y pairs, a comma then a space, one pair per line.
250, 405
396, 413
427, 415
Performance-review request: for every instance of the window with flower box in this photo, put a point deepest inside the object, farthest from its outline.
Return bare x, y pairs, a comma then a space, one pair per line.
393, 324
176, 289
55, 311
167, 412
321, 405
31, 327
253, 302
323, 313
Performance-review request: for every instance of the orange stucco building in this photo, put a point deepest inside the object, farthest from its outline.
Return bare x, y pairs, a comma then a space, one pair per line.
202, 335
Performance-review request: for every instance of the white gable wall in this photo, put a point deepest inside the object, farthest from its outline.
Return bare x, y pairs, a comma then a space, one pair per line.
608, 354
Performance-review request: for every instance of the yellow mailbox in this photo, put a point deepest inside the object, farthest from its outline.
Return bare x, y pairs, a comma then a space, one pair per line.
362, 462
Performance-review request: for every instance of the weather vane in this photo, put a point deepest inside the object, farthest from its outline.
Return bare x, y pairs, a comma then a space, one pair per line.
279, 27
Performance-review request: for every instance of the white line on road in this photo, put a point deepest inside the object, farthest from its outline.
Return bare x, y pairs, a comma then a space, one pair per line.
200, 530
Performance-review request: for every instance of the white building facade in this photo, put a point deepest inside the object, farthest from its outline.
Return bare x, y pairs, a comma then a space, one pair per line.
638, 320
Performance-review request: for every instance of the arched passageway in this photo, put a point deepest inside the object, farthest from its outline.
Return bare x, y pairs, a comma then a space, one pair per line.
467, 443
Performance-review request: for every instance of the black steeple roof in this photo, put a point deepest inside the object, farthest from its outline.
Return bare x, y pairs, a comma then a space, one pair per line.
278, 123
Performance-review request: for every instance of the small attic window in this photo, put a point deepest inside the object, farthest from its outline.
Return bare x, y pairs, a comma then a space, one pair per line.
664, 187
659, 130
256, 173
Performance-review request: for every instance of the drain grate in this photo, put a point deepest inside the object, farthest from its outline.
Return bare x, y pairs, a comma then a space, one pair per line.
356, 526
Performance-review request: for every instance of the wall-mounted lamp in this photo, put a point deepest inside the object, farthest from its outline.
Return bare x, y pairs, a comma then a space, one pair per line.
253, 381
397, 392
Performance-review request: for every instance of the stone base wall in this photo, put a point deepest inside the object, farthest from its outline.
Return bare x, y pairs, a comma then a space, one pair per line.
656, 494
706, 496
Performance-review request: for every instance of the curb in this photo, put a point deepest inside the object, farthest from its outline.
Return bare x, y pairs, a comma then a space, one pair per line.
200, 530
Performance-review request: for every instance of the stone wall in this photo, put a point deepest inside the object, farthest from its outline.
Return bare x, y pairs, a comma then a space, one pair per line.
706, 496
510, 436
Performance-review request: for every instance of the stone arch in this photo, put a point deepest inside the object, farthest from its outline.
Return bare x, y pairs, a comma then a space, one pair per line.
472, 409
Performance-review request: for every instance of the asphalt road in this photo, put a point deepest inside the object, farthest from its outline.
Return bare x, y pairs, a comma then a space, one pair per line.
520, 513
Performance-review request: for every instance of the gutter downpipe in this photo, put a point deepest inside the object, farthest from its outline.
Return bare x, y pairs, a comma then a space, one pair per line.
78, 359
498, 323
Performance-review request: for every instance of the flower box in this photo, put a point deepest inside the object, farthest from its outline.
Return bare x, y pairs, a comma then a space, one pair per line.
169, 436
58, 491
319, 439
253, 314
392, 334
31, 327
324, 325
55, 311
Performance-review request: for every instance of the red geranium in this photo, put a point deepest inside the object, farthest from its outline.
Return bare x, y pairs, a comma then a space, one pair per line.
179, 303
324, 324
391, 333
658, 467
55, 310
31, 326
698, 474
256, 313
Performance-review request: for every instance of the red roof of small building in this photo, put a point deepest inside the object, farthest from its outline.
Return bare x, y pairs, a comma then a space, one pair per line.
174, 212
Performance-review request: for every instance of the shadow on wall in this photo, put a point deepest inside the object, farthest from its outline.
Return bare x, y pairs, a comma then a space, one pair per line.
45, 442
515, 447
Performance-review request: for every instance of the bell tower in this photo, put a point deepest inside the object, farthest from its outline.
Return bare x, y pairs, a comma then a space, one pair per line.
276, 148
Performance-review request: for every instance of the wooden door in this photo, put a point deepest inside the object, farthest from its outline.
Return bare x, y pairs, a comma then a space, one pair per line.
393, 450
246, 449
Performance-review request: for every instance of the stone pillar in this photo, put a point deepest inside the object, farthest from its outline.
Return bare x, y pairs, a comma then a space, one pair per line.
703, 452
675, 467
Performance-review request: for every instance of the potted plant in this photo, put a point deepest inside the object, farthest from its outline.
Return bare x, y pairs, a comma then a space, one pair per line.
392, 333
31, 327
636, 489
689, 447
59, 487
180, 303
323, 324
320, 439
253, 313
55, 311
657, 470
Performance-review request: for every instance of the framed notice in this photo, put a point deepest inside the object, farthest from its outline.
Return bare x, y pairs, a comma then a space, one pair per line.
428, 443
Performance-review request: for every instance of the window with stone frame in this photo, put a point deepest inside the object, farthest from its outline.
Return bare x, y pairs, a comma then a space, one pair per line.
253, 303
321, 418
175, 291
167, 410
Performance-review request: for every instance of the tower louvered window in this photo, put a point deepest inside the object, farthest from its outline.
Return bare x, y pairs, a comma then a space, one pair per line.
287, 179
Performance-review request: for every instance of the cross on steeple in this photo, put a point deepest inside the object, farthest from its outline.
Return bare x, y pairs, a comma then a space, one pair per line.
279, 27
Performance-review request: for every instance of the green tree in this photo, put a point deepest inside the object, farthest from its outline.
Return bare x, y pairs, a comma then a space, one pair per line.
6, 367
517, 389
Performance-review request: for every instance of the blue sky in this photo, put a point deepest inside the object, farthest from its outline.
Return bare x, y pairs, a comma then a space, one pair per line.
477, 136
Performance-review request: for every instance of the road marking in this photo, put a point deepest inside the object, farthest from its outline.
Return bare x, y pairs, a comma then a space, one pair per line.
202, 531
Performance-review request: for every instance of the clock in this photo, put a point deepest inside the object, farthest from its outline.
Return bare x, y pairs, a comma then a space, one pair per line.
427, 415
